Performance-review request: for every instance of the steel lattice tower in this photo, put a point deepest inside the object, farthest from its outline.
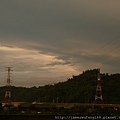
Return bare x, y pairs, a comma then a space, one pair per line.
8, 100
98, 96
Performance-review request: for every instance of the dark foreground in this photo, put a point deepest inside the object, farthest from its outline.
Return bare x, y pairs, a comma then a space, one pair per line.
27, 117
66, 112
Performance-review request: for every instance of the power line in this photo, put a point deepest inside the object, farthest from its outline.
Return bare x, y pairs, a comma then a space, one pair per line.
105, 46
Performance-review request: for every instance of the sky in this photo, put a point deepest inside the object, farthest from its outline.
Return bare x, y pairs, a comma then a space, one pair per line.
49, 41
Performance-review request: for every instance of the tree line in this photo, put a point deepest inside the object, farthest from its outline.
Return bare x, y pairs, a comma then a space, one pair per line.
77, 89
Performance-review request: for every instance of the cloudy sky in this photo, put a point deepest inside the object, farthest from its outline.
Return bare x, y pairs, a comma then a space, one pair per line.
48, 41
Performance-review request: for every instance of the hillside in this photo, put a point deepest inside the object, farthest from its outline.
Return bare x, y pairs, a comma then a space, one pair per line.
80, 88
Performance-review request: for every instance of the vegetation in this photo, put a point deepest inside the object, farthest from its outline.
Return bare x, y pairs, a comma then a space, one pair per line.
80, 88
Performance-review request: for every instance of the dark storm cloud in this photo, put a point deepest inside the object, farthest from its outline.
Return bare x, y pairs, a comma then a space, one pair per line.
59, 63
53, 22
